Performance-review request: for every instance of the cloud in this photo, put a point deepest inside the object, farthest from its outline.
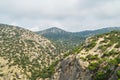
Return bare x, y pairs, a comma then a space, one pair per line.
71, 15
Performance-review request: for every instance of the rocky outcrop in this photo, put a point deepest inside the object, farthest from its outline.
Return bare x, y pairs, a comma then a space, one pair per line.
71, 69
93, 62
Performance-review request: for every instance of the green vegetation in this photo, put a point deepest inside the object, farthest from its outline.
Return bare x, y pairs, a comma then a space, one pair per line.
82, 58
37, 56
92, 57
111, 53
103, 48
93, 66
27, 50
104, 65
48, 72
113, 62
118, 74
100, 75
91, 45
64, 40
118, 45
76, 50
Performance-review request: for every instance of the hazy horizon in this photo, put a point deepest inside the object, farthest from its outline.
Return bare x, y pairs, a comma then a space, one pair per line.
70, 15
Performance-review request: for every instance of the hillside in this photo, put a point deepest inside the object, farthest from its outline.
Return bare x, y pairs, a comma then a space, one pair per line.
64, 40
97, 31
23, 54
97, 59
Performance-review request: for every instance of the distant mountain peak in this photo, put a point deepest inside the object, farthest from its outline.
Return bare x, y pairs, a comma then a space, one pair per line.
54, 30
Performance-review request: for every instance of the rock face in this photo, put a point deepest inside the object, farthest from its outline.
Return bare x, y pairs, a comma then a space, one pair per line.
71, 69
23, 54
98, 59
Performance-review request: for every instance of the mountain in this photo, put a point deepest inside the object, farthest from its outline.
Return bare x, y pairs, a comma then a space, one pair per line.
53, 30
64, 40
23, 54
97, 59
55, 34
98, 31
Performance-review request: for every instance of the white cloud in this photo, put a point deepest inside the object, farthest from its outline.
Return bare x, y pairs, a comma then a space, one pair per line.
72, 15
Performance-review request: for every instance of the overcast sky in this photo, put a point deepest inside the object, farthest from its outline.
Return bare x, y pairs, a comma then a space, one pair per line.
71, 15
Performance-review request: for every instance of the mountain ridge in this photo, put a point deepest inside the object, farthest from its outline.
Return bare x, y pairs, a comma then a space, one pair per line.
70, 40
89, 30
52, 29
26, 55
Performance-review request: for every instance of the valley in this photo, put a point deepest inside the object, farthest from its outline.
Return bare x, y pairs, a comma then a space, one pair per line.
64, 40
55, 54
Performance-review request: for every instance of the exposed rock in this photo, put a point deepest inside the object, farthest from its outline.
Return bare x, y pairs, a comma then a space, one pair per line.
92, 62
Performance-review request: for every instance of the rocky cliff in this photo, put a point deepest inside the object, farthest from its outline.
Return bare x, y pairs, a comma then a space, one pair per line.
97, 59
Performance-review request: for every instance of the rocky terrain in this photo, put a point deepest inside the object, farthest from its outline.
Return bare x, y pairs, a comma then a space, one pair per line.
23, 54
97, 59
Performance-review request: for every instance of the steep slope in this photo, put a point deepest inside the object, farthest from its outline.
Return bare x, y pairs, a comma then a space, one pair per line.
69, 40
63, 40
23, 54
97, 59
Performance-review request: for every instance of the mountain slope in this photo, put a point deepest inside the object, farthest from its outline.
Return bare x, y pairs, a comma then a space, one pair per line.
98, 31
63, 40
69, 40
23, 54
97, 59
54, 30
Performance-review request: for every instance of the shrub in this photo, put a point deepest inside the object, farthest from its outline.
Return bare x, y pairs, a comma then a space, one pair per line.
91, 45
113, 52
100, 75
118, 45
103, 47
93, 66
113, 62
118, 73
92, 57
47, 72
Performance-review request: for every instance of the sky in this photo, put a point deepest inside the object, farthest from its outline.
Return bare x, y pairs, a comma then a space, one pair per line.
70, 15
